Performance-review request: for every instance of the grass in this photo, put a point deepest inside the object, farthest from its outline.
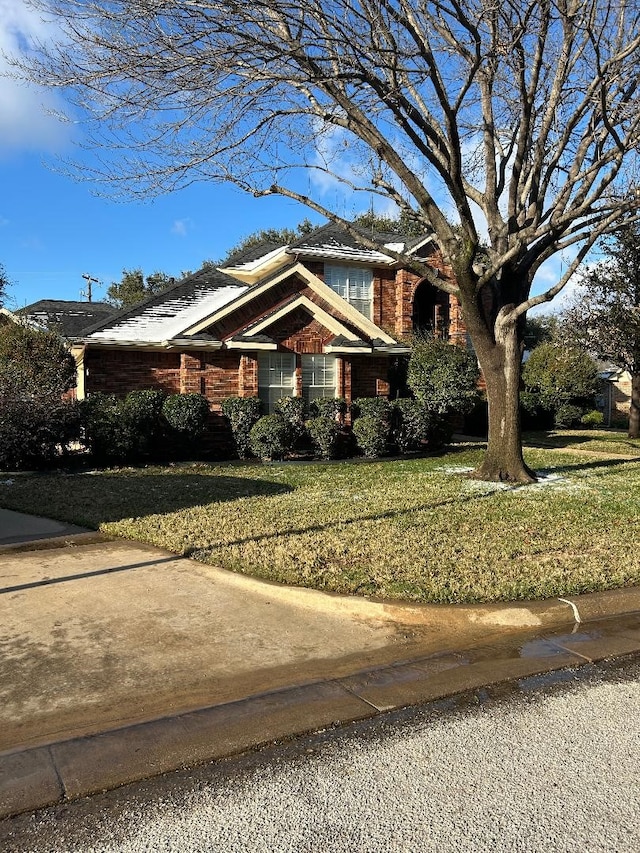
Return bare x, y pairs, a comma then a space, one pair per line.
412, 529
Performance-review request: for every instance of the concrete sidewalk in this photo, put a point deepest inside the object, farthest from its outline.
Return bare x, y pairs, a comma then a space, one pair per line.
121, 661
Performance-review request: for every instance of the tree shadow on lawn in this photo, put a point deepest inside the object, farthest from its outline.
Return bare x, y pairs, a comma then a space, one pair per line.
597, 463
122, 496
545, 440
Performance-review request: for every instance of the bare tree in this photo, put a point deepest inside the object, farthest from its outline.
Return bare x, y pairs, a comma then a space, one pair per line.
516, 120
604, 317
4, 284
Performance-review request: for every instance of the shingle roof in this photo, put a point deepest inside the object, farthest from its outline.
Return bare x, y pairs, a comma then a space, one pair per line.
68, 318
253, 253
333, 242
167, 314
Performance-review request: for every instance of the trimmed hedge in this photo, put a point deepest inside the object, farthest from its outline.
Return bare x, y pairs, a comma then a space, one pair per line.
242, 413
269, 438
372, 433
325, 436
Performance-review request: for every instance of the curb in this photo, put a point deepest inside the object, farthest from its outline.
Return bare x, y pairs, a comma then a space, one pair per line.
58, 772
62, 540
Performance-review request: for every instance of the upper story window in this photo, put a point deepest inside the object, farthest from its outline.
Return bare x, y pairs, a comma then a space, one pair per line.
354, 284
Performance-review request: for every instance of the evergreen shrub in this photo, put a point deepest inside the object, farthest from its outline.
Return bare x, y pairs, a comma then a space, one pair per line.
269, 437
242, 413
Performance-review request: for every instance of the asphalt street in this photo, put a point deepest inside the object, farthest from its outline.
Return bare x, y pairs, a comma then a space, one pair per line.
547, 764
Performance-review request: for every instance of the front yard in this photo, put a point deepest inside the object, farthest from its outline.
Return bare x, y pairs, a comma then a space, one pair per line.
412, 529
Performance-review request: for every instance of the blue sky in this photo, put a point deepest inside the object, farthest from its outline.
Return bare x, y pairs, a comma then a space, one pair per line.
54, 229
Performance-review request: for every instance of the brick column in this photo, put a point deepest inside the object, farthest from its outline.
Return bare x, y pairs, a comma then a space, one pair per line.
248, 378
191, 374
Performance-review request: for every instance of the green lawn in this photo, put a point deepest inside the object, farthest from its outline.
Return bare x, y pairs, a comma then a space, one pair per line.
413, 529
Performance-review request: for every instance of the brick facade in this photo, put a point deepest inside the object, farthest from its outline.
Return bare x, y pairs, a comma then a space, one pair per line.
123, 370
220, 373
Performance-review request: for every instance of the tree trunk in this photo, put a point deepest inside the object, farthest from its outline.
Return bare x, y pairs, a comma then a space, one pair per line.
501, 363
634, 411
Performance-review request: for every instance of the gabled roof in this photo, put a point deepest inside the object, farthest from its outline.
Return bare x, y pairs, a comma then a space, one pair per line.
68, 318
329, 242
167, 314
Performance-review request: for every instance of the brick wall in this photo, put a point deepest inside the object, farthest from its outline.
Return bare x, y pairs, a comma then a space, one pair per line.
124, 370
368, 376
299, 332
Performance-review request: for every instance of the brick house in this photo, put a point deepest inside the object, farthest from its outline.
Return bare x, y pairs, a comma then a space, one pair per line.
321, 317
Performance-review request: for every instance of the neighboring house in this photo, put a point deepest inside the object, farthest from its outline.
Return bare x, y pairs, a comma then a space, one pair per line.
322, 317
615, 399
68, 319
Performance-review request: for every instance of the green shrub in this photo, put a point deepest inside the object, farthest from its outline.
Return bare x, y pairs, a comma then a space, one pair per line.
440, 432
187, 414
186, 417
325, 436
414, 426
269, 437
36, 425
567, 416
329, 407
562, 380
410, 424
376, 407
34, 432
106, 431
371, 433
593, 418
294, 411
242, 413
142, 411
443, 377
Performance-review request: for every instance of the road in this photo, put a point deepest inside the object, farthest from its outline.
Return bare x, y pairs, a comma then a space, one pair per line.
546, 765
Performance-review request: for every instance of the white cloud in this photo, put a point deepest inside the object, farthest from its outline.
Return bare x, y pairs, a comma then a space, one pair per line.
25, 111
181, 227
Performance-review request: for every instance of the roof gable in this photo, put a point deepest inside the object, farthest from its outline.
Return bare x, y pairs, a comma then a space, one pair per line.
331, 323
355, 318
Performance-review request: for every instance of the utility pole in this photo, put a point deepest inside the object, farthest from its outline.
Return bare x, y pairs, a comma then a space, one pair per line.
90, 280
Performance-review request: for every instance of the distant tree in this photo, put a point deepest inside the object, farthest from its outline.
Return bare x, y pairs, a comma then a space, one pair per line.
283, 236
604, 317
561, 380
133, 287
405, 225
540, 329
4, 284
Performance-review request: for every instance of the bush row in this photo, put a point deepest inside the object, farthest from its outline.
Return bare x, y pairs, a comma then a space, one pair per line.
145, 425
379, 427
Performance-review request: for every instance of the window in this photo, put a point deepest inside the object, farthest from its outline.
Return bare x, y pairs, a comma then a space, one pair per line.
353, 284
318, 376
276, 377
